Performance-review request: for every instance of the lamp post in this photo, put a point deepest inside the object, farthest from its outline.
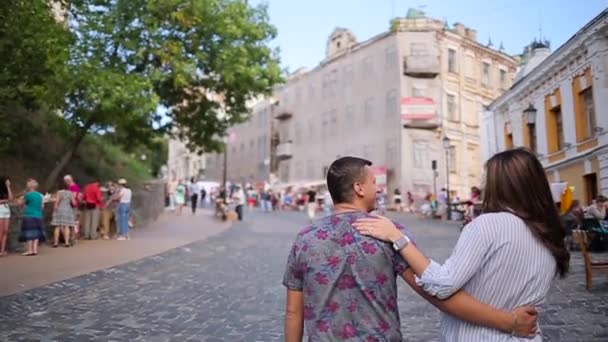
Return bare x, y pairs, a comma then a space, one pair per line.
446, 147
530, 113
225, 172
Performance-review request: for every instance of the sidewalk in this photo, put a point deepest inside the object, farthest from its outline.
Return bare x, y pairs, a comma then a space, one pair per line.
19, 273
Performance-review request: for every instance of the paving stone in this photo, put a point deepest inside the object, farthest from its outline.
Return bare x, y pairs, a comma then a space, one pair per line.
227, 288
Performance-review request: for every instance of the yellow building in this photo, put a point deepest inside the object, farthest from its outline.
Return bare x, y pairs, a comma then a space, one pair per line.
558, 108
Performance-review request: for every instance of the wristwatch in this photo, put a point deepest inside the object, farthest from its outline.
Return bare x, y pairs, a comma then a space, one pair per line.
401, 243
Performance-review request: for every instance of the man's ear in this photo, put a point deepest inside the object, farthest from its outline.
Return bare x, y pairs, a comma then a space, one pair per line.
358, 189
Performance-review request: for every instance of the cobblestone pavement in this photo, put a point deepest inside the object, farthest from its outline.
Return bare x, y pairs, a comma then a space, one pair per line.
228, 288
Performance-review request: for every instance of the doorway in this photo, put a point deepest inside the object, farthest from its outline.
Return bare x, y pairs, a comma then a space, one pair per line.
590, 187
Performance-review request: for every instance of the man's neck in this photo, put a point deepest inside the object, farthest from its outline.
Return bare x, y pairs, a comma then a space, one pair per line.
347, 207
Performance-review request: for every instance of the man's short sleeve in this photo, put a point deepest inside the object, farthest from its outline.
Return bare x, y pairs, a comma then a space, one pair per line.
293, 278
399, 264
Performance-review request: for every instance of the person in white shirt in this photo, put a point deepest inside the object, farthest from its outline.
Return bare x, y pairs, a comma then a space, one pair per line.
239, 197
194, 189
123, 196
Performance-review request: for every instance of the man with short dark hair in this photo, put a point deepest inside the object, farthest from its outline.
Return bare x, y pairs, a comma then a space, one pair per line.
343, 285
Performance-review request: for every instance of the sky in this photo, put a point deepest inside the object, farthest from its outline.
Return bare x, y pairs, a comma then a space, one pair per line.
304, 25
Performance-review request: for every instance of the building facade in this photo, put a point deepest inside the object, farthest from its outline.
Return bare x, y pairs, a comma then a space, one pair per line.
249, 145
558, 108
391, 99
184, 164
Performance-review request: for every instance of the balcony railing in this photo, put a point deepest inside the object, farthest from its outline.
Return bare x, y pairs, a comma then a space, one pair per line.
283, 113
424, 66
285, 150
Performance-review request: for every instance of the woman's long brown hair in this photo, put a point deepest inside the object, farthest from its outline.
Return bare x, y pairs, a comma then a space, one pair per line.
516, 183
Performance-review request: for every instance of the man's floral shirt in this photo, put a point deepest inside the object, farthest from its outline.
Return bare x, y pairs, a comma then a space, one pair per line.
348, 281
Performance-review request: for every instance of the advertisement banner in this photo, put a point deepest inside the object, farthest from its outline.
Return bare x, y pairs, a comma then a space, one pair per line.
418, 108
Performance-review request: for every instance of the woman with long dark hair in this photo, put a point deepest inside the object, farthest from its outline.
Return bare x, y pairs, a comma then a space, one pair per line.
507, 257
6, 196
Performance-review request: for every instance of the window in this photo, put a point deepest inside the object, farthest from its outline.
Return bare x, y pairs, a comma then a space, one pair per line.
589, 111
264, 145
485, 79
417, 91
392, 106
391, 152
310, 170
532, 136
333, 122
349, 117
390, 58
469, 67
453, 113
298, 132
324, 123
311, 91
368, 111
348, 75
559, 127
418, 49
330, 83
368, 152
503, 79
452, 67
311, 128
324, 174
452, 159
420, 152
472, 161
368, 67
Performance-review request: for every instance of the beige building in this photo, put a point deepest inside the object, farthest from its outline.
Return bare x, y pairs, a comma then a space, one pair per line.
391, 99
182, 163
555, 108
248, 149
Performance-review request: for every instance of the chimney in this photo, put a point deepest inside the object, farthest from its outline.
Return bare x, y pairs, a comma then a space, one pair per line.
460, 29
471, 34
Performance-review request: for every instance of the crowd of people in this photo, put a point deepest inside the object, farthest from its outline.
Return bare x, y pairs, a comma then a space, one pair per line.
88, 213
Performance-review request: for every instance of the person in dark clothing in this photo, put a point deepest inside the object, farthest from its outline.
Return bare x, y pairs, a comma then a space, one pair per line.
193, 190
203, 196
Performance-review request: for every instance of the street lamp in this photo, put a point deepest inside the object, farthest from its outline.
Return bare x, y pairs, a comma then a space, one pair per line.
530, 113
446, 147
225, 173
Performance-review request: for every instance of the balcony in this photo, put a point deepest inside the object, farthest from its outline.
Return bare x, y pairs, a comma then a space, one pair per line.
419, 113
285, 150
283, 113
421, 66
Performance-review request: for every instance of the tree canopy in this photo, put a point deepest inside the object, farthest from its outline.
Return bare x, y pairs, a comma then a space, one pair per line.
112, 64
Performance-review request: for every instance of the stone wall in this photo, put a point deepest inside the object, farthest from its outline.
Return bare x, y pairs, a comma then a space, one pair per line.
147, 204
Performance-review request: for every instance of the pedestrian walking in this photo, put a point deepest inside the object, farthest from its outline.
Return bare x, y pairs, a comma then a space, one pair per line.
32, 227
239, 197
203, 196
75, 189
508, 256
398, 200
194, 191
312, 203
180, 196
64, 217
337, 279
6, 196
124, 209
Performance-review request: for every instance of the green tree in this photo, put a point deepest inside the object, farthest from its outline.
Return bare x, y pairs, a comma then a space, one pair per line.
201, 59
34, 50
